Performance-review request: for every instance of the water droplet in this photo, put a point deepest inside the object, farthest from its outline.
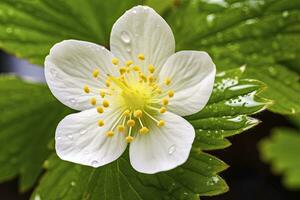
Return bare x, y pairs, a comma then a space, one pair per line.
134, 12
94, 163
72, 100
125, 37
70, 136
128, 49
82, 132
172, 149
9, 30
285, 14
73, 183
58, 138
215, 179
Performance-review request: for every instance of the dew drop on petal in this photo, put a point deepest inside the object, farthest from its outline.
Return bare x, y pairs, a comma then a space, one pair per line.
172, 149
125, 37
70, 136
58, 138
134, 11
72, 101
128, 49
94, 163
83, 132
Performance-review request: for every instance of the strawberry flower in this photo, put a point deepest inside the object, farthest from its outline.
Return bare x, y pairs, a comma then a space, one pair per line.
133, 95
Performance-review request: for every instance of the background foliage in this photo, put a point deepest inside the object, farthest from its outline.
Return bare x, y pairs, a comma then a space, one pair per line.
263, 35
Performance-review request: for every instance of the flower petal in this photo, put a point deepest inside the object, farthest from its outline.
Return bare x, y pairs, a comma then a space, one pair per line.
70, 66
80, 140
192, 75
162, 148
142, 31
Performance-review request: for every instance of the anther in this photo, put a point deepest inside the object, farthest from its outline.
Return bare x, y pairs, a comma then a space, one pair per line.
107, 83
171, 93
110, 133
136, 68
86, 89
131, 123
138, 113
102, 93
161, 123
150, 78
162, 110
93, 101
167, 81
141, 56
100, 110
144, 130
100, 123
128, 63
121, 128
105, 103
129, 139
151, 68
122, 70
95, 73
127, 113
165, 101
115, 61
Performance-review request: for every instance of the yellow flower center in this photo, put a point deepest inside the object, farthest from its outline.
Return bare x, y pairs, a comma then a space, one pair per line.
138, 93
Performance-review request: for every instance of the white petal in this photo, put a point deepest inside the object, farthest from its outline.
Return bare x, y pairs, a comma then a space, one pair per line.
142, 30
69, 67
192, 75
80, 140
162, 148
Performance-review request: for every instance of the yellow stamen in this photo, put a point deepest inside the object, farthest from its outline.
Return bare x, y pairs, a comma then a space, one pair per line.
100, 110
128, 63
162, 110
110, 134
161, 123
150, 78
122, 70
138, 113
107, 83
115, 61
141, 56
126, 113
131, 123
129, 139
121, 128
93, 101
165, 101
151, 69
144, 130
102, 93
136, 68
95, 73
86, 89
167, 81
171, 93
105, 103
100, 123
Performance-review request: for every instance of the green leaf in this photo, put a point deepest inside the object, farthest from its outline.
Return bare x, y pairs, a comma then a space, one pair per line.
226, 114
27, 123
264, 35
30, 28
282, 150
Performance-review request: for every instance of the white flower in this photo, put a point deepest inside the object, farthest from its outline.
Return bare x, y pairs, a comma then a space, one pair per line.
134, 94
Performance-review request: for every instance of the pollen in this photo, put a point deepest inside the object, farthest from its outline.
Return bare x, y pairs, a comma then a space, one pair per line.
122, 70
167, 81
171, 93
100, 110
110, 133
165, 101
93, 101
141, 56
129, 139
131, 123
151, 69
128, 63
150, 78
100, 123
115, 61
144, 130
95, 73
102, 93
161, 123
126, 113
162, 110
105, 103
86, 89
121, 128
138, 113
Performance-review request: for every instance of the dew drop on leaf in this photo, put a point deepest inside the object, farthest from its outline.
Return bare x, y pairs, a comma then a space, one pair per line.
125, 37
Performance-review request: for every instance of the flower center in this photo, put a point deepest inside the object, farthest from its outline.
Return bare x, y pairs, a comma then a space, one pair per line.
141, 97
